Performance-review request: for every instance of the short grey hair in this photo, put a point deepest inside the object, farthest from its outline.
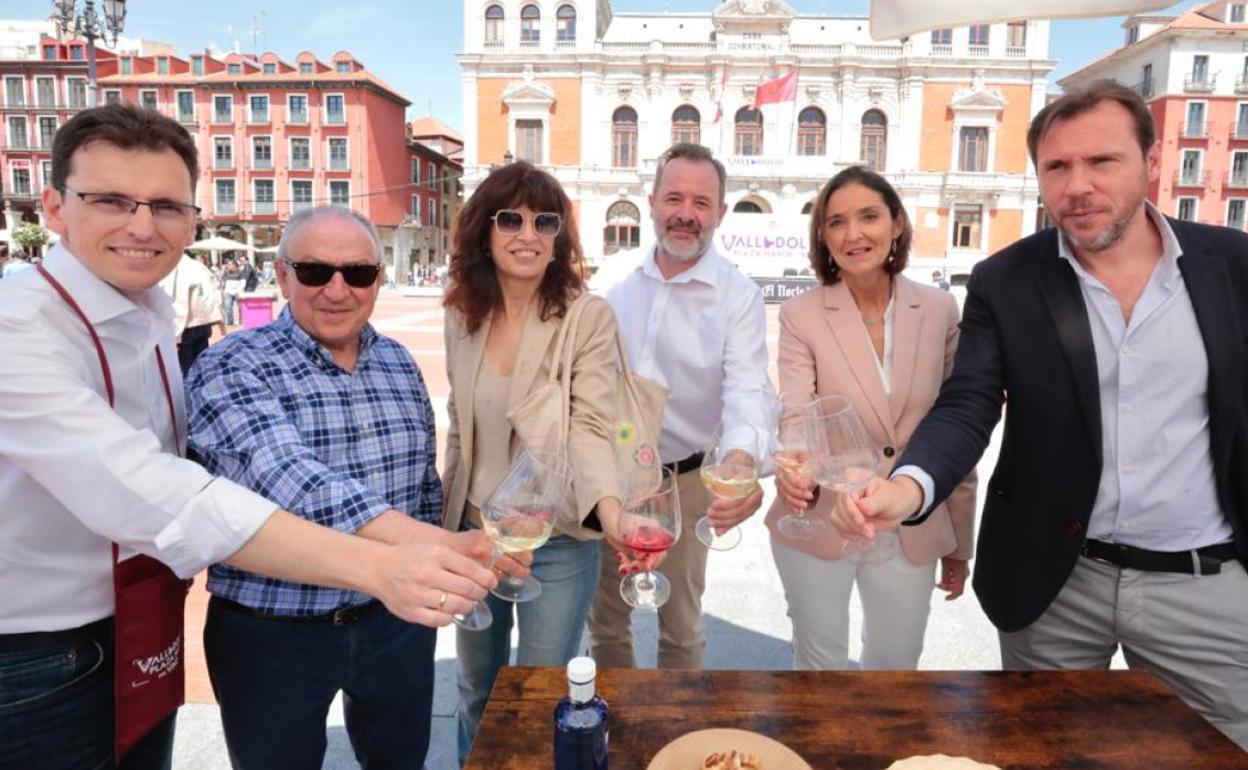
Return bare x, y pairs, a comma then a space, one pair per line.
307, 216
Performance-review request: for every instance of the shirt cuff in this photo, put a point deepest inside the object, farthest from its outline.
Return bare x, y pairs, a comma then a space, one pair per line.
924, 480
212, 526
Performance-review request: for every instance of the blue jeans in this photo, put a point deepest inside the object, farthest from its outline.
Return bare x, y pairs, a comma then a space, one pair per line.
230, 301
550, 627
275, 679
56, 705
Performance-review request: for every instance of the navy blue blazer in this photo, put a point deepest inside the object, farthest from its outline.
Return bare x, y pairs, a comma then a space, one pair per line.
1026, 336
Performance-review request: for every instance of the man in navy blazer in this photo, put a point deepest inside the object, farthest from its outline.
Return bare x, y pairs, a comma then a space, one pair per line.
1117, 514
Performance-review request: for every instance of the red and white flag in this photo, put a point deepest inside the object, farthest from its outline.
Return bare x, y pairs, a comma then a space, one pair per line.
782, 89
723, 86
895, 18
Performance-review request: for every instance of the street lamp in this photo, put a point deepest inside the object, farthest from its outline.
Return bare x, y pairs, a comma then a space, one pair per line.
69, 22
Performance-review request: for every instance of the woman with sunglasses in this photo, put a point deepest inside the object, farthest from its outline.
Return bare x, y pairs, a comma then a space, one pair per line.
886, 343
514, 272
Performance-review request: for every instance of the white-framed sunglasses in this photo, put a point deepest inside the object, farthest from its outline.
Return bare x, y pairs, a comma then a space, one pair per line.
510, 222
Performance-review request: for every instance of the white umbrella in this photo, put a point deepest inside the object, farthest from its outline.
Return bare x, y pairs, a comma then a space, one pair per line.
268, 250
220, 243
896, 18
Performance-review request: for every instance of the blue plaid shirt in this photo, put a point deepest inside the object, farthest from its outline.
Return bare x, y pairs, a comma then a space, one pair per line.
269, 409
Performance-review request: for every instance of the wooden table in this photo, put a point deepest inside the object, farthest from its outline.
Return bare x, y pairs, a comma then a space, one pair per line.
1063, 720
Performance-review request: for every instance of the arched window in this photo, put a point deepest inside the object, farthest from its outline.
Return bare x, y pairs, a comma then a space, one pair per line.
810, 205
494, 24
747, 207
874, 149
624, 138
686, 125
623, 230
749, 132
565, 24
812, 132
530, 24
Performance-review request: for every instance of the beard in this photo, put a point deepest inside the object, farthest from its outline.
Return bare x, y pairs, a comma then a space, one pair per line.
682, 251
1113, 232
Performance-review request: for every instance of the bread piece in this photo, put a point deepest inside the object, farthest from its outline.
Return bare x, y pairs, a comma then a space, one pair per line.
732, 760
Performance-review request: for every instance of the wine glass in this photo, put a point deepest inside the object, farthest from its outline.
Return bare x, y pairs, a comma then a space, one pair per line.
729, 471
790, 452
844, 459
649, 525
519, 516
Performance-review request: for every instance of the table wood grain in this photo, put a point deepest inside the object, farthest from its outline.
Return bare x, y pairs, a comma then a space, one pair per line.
860, 720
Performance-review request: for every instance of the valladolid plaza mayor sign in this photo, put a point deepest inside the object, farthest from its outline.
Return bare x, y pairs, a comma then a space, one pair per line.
771, 249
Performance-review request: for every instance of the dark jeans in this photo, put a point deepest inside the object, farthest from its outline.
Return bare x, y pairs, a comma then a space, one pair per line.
194, 341
56, 705
275, 679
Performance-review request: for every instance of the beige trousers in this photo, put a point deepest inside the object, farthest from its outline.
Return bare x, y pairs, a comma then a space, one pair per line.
682, 638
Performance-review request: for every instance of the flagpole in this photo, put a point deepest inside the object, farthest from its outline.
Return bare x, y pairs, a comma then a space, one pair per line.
797, 79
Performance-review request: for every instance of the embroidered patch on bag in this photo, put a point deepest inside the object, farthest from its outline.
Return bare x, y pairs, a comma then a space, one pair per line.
625, 432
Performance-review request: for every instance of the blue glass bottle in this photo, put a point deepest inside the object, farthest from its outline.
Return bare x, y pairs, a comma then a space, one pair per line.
581, 721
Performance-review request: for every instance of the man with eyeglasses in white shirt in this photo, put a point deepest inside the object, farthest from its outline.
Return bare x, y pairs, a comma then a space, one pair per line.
92, 426
693, 322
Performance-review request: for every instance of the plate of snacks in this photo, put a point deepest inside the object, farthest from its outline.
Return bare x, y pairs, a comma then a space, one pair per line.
939, 762
726, 749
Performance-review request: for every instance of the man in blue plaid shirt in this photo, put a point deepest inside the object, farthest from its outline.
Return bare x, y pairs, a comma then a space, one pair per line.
321, 414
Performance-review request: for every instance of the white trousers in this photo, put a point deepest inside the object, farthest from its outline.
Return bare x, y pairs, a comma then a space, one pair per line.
1191, 631
896, 600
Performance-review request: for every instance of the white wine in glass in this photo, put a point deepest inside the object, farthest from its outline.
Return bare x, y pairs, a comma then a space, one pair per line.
845, 459
729, 471
519, 516
792, 456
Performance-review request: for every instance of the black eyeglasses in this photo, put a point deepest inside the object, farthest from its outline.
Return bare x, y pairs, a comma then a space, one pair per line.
319, 273
117, 206
510, 222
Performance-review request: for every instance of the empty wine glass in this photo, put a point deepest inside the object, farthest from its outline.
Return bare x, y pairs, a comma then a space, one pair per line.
729, 471
518, 516
844, 459
790, 452
650, 525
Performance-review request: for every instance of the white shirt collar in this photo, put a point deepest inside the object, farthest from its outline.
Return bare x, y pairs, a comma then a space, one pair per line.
1170, 248
708, 269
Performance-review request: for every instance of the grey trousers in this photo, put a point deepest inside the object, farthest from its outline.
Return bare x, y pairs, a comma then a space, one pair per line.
1191, 631
682, 637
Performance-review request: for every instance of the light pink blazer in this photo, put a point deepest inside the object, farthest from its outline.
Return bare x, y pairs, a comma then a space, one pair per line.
824, 349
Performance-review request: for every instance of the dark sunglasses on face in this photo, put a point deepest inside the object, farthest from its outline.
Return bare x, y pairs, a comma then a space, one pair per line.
510, 222
319, 273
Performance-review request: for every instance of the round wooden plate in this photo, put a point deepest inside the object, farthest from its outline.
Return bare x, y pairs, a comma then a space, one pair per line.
689, 750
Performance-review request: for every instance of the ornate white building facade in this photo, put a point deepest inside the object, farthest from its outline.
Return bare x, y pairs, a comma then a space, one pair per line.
595, 97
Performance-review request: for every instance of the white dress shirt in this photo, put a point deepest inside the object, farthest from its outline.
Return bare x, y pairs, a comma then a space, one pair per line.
702, 334
196, 300
76, 474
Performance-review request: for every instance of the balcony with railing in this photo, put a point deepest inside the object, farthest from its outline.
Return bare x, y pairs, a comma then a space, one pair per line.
942, 49
976, 50
338, 164
300, 206
264, 207
1237, 180
223, 164
335, 117
300, 164
262, 164
1200, 82
186, 117
226, 207
1241, 83
21, 192
1238, 132
258, 117
1145, 88
219, 116
1195, 130
1016, 51
1190, 178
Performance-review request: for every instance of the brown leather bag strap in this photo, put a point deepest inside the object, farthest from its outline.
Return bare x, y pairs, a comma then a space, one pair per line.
95, 338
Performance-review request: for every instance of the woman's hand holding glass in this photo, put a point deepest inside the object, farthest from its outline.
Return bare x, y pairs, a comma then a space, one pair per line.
790, 453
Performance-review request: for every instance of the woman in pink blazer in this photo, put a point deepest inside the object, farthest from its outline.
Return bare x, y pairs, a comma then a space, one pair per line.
886, 343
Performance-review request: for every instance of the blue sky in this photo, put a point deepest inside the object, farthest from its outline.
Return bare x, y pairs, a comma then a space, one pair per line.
411, 44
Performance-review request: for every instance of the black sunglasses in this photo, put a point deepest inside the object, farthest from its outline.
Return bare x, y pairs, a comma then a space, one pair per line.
319, 273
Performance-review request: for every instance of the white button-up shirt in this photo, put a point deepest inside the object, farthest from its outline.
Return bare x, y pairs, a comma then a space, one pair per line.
702, 334
75, 474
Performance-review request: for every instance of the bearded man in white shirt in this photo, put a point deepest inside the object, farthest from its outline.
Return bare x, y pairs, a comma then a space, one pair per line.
693, 322
92, 426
